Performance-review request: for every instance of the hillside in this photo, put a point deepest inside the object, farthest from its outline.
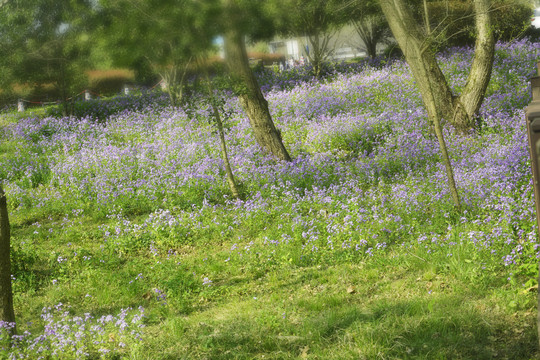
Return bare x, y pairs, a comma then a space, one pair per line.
127, 243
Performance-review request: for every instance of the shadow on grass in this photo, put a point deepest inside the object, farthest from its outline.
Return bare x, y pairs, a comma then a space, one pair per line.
443, 327
449, 327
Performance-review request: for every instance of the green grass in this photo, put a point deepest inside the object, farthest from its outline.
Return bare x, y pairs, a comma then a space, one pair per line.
217, 286
408, 302
348, 312
401, 304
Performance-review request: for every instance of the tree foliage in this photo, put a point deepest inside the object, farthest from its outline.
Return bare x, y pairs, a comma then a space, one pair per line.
48, 44
452, 21
163, 36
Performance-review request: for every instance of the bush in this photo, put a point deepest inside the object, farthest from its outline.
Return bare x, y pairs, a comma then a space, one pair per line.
267, 59
101, 109
38, 93
109, 82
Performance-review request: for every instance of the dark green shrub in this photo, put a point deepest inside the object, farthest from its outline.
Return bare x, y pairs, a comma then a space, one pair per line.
109, 82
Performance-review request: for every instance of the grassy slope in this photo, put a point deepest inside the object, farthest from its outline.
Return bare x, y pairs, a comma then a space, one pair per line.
406, 302
402, 305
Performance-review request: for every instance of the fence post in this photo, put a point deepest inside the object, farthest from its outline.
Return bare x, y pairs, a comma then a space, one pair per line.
20, 105
532, 119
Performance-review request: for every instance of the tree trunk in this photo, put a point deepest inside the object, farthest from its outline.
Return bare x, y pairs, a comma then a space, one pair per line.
175, 82
315, 56
468, 104
224, 154
6, 297
432, 84
459, 111
441, 104
251, 97
421, 59
228, 170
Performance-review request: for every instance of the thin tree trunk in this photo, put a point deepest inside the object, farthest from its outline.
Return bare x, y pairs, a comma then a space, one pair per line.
251, 98
170, 79
320, 50
436, 94
426, 18
432, 84
6, 296
224, 154
372, 29
445, 158
228, 170
316, 57
63, 90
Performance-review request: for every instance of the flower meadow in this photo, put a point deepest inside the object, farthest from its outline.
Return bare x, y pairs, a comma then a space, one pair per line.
128, 207
74, 336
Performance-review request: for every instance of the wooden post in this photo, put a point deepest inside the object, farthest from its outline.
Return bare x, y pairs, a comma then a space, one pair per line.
532, 119
6, 293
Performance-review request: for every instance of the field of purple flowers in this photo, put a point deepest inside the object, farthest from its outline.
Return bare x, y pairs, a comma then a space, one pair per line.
133, 209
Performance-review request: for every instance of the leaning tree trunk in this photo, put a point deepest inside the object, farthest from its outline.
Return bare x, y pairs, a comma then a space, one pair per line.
431, 82
224, 154
251, 97
460, 111
6, 297
440, 103
228, 170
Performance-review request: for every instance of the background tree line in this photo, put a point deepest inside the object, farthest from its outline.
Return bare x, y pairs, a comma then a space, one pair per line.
50, 46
